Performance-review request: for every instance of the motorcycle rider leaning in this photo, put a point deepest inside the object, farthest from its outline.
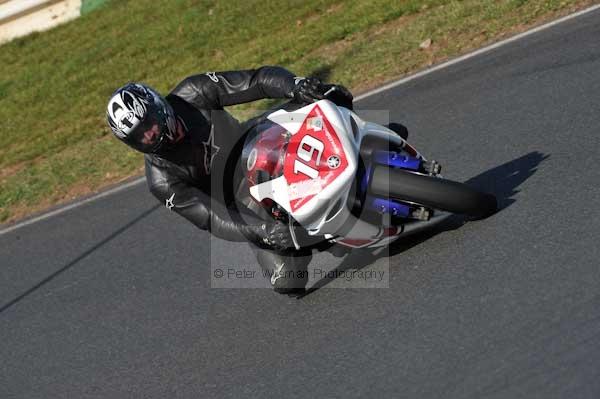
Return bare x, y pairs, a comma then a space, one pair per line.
188, 140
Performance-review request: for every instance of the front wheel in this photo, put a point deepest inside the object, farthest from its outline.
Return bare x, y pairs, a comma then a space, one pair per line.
432, 192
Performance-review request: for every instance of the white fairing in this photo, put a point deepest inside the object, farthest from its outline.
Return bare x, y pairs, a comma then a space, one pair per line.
325, 212
312, 215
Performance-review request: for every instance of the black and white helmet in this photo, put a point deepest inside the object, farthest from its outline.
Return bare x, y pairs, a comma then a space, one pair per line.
141, 117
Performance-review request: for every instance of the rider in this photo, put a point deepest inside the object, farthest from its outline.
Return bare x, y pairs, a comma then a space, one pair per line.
188, 138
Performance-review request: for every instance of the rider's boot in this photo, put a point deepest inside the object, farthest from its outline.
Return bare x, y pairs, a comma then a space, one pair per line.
288, 271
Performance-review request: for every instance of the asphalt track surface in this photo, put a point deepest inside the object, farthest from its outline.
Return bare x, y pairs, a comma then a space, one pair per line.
113, 299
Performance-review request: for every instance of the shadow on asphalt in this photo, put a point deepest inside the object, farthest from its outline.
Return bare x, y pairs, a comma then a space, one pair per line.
502, 181
77, 259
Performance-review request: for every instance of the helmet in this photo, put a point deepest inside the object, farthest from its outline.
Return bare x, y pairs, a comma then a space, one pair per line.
140, 117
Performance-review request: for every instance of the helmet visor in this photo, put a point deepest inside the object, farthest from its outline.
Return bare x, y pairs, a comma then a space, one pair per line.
150, 133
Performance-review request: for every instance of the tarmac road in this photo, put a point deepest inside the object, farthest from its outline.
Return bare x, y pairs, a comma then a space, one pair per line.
113, 299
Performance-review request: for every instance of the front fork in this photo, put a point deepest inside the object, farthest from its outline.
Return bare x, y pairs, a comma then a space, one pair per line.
396, 208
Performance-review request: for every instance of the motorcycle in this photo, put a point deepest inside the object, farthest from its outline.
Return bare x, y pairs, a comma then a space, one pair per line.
349, 181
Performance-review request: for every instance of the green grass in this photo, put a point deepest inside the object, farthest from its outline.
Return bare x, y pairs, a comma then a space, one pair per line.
54, 85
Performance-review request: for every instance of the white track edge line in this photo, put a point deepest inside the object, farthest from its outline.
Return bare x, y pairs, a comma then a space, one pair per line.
73, 205
358, 98
475, 53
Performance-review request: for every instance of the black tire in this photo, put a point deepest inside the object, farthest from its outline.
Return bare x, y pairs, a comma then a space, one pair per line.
432, 192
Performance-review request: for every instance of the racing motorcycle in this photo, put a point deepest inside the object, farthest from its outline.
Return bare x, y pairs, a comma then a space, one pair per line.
349, 181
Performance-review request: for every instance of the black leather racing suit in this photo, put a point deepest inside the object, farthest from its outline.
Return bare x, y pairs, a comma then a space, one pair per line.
192, 177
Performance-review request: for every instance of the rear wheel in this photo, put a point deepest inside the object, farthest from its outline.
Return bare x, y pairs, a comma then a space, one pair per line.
432, 192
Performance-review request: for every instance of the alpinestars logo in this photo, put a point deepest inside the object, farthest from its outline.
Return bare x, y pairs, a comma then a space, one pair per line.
169, 202
277, 273
213, 76
210, 151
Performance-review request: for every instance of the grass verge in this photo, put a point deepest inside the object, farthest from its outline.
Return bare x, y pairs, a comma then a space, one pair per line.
55, 146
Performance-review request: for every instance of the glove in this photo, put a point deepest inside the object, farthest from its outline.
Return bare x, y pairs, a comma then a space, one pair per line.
308, 90
273, 235
339, 95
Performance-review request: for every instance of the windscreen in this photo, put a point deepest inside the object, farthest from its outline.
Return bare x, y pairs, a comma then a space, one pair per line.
264, 152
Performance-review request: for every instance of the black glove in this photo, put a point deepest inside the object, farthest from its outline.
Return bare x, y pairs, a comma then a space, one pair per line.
308, 90
339, 95
272, 235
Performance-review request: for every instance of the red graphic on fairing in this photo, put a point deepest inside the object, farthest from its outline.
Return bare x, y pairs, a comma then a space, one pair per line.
315, 157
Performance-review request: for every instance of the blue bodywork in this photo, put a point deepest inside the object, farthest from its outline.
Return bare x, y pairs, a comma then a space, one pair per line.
387, 206
394, 160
